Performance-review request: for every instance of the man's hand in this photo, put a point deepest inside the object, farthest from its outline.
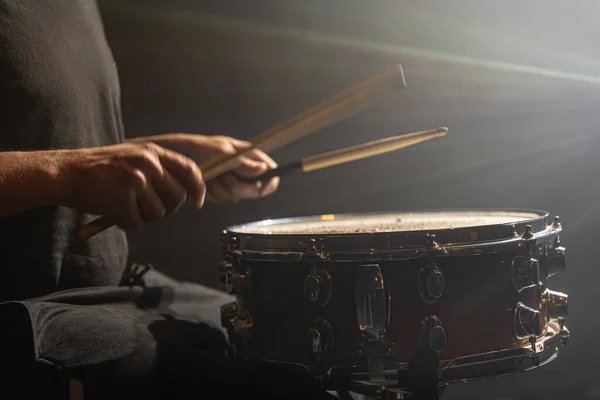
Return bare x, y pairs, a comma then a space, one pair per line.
135, 182
203, 149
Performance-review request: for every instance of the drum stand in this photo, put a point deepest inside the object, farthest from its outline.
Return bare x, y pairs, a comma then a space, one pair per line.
418, 382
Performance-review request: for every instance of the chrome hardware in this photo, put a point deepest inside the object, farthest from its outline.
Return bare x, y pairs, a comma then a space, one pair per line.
242, 324
371, 300
463, 369
233, 276
527, 322
528, 233
525, 272
433, 247
555, 261
242, 280
317, 287
320, 337
556, 223
225, 271
431, 283
563, 333
432, 330
229, 243
315, 248
228, 313
556, 303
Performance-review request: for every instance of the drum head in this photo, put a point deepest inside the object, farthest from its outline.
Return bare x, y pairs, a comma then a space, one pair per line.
349, 224
378, 233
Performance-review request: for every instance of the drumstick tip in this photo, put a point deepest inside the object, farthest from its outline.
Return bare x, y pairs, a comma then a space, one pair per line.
442, 129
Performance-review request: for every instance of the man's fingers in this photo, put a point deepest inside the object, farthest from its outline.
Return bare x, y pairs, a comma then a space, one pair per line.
241, 190
219, 193
131, 218
269, 187
251, 168
260, 156
187, 173
239, 144
150, 204
171, 192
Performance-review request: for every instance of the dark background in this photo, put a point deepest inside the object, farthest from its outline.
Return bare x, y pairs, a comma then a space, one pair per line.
514, 83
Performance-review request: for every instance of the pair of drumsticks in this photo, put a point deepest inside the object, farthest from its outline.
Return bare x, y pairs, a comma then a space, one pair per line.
341, 106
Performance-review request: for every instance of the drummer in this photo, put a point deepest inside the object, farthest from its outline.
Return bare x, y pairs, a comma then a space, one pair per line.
64, 158
64, 154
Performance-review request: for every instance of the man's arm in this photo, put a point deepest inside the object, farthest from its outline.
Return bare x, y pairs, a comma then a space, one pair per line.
136, 183
33, 179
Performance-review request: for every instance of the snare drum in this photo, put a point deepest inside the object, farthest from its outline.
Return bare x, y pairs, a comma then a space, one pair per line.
358, 294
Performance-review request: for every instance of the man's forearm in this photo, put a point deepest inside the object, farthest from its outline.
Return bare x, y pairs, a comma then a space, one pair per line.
31, 180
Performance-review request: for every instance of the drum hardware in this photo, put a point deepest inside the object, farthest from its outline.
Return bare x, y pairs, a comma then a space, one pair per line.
234, 278
468, 368
528, 234
556, 304
242, 324
372, 311
430, 279
431, 283
320, 337
527, 322
237, 324
463, 369
228, 312
433, 248
564, 332
433, 333
234, 320
505, 362
423, 367
315, 248
525, 270
317, 287
229, 243
371, 301
555, 259
225, 279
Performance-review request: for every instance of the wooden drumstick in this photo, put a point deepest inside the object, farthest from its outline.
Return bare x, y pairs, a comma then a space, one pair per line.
343, 105
353, 153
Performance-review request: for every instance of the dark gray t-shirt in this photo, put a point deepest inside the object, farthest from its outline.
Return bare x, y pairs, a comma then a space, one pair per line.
59, 89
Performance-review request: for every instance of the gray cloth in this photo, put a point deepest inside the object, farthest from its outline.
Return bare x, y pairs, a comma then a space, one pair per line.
159, 341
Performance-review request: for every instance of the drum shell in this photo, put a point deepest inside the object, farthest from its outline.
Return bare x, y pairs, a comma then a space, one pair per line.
476, 308
282, 316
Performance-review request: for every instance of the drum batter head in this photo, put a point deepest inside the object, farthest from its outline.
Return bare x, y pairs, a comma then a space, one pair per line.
390, 235
344, 224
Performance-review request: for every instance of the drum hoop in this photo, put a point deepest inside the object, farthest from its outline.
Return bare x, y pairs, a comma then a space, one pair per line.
474, 367
482, 239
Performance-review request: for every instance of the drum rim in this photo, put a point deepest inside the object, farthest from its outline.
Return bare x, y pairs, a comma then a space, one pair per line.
399, 245
234, 229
